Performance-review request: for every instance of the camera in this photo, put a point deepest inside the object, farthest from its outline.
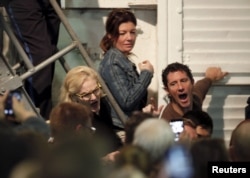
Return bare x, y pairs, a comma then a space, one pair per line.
177, 127
8, 111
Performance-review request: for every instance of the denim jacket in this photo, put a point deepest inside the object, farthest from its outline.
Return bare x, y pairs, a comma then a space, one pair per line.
127, 86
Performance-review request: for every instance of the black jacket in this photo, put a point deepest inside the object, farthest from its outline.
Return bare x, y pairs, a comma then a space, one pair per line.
105, 128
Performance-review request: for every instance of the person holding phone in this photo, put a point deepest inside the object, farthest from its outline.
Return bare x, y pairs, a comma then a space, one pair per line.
200, 122
8, 110
193, 125
177, 127
22, 118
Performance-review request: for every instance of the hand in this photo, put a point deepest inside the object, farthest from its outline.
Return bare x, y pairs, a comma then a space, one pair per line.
152, 108
2, 108
21, 113
146, 65
110, 157
2, 104
188, 135
215, 73
190, 131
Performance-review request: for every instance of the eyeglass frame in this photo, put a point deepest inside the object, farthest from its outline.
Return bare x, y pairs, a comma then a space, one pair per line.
94, 91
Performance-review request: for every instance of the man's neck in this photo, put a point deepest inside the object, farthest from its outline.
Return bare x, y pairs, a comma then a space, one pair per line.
180, 110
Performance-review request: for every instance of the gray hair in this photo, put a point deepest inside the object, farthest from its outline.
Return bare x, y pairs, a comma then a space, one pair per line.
155, 136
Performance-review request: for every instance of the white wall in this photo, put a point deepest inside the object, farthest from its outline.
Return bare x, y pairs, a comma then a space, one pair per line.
197, 33
214, 33
88, 23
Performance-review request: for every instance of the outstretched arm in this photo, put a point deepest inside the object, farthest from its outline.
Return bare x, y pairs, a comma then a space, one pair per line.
215, 73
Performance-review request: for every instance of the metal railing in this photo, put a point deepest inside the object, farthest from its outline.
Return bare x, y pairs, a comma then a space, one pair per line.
76, 43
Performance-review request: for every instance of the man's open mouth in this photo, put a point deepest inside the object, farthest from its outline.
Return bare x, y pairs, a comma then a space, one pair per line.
183, 96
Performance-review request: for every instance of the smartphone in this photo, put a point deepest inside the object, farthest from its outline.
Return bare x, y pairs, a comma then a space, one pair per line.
8, 110
177, 127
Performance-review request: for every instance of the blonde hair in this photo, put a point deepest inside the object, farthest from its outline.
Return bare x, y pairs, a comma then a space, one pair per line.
73, 82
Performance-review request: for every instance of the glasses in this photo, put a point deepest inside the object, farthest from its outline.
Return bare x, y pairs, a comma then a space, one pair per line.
87, 96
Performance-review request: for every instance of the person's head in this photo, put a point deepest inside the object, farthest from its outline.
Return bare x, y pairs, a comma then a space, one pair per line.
127, 171
74, 157
70, 119
155, 136
18, 147
239, 143
178, 83
131, 124
135, 156
120, 31
200, 121
204, 150
34, 149
81, 85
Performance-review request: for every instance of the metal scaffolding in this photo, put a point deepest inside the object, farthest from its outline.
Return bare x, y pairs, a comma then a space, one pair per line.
14, 81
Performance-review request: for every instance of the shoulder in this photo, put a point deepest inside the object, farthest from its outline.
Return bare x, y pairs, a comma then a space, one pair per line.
169, 113
114, 56
37, 124
113, 53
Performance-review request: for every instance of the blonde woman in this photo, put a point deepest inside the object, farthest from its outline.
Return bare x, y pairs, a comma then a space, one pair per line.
81, 85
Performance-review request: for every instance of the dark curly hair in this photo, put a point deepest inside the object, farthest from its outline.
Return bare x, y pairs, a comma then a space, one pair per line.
173, 68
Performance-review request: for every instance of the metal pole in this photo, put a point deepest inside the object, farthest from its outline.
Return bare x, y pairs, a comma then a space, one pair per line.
49, 60
89, 62
16, 43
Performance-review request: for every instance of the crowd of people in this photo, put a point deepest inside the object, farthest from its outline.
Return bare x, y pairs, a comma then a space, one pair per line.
80, 138
69, 147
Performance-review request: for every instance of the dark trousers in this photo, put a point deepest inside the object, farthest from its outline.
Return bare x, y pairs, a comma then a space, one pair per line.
36, 25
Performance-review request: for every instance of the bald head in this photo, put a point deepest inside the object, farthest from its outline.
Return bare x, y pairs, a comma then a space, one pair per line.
240, 142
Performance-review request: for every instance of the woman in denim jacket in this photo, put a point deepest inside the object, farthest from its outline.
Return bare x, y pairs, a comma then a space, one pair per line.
128, 87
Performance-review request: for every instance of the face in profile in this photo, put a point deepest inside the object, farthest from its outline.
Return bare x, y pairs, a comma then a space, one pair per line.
180, 88
91, 93
202, 132
127, 36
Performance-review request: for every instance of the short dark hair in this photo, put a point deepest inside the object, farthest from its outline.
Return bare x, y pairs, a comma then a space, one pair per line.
173, 68
201, 118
